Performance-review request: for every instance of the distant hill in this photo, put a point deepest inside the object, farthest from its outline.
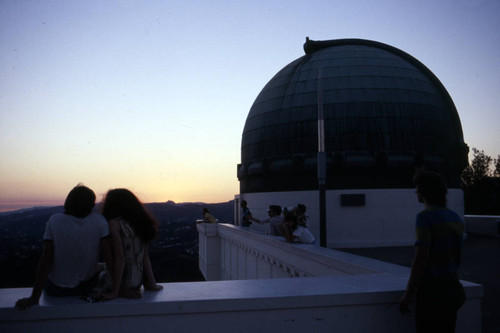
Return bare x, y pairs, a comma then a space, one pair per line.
30, 222
190, 212
174, 255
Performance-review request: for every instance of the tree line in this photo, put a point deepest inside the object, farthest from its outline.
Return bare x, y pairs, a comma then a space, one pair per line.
481, 184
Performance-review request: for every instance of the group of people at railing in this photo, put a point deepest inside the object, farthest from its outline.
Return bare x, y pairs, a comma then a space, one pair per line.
289, 223
433, 280
76, 240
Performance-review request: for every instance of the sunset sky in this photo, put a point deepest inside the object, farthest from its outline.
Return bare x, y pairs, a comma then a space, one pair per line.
153, 95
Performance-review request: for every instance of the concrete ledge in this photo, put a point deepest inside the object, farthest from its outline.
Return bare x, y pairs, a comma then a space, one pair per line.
357, 294
229, 252
483, 225
344, 303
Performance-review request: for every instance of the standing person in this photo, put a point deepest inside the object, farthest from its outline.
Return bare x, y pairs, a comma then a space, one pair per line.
274, 220
433, 276
246, 215
132, 229
72, 244
207, 217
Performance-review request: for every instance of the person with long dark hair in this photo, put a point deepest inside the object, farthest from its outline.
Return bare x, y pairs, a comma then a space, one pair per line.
132, 228
72, 245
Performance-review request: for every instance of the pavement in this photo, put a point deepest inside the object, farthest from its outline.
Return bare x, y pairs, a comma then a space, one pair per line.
480, 264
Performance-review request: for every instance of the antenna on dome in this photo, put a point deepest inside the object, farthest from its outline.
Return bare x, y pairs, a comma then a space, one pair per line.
321, 164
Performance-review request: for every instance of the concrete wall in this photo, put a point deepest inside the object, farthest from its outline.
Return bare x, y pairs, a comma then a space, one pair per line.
229, 252
483, 225
350, 294
247, 255
319, 304
386, 219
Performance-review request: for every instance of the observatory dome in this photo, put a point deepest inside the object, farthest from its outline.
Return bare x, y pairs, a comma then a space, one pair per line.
385, 114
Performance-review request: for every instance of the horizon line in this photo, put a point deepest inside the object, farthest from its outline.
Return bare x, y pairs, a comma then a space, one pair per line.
18, 206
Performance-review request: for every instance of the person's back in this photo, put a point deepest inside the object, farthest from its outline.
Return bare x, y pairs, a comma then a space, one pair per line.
73, 242
132, 228
303, 235
433, 276
208, 217
440, 229
133, 251
76, 244
274, 225
245, 217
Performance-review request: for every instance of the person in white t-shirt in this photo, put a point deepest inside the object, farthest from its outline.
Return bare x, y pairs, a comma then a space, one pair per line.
73, 243
274, 220
295, 232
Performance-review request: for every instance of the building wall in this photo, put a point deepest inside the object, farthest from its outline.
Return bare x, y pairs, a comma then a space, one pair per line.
386, 219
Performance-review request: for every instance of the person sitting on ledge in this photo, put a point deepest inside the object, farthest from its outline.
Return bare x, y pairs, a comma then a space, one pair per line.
132, 228
294, 232
73, 242
207, 217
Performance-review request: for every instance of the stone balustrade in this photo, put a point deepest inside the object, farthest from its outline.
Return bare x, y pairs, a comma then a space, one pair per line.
256, 283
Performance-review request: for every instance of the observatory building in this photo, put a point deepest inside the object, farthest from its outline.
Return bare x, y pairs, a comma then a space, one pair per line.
385, 115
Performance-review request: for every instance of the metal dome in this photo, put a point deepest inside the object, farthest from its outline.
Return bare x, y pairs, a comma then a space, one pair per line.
385, 113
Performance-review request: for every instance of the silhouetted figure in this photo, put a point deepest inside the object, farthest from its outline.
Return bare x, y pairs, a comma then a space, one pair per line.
207, 217
295, 232
433, 278
300, 213
274, 220
72, 244
246, 215
132, 228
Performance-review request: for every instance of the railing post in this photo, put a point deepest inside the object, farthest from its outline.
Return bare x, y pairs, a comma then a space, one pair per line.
209, 251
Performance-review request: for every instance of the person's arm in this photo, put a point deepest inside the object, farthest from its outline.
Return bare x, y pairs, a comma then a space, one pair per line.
263, 221
418, 267
249, 217
149, 278
42, 272
253, 218
118, 264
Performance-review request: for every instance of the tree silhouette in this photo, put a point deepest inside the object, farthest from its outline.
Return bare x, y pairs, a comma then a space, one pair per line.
481, 184
496, 172
478, 169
